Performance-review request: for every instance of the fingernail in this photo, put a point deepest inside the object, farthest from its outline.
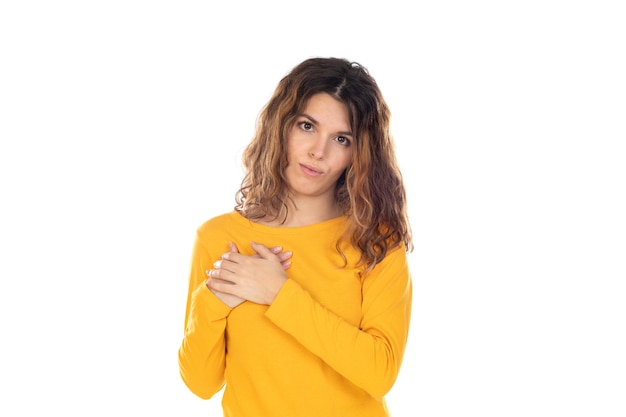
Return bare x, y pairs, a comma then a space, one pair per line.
277, 249
217, 264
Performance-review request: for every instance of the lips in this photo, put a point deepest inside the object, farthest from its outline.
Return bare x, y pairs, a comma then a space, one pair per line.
310, 170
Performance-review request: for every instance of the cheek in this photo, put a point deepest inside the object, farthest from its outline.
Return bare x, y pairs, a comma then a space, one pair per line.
341, 164
295, 139
347, 159
290, 148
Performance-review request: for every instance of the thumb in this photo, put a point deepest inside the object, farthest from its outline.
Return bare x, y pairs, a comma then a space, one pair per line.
233, 247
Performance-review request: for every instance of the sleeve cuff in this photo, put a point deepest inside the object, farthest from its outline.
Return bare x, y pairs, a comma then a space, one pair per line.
282, 306
215, 307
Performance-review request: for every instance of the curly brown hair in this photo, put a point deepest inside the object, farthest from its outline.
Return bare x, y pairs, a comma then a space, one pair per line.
370, 192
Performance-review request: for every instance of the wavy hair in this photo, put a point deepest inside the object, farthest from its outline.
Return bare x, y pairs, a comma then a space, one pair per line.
370, 192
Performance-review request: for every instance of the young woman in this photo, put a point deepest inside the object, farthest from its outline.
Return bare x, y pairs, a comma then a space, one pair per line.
300, 298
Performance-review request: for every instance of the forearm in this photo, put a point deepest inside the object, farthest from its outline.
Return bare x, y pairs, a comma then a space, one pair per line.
201, 356
369, 356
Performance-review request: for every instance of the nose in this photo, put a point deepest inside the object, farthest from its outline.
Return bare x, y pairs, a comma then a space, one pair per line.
318, 148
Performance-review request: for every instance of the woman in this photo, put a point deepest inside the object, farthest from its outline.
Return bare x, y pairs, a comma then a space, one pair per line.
300, 298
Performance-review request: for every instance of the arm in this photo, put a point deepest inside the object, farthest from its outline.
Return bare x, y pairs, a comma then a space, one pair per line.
369, 355
201, 356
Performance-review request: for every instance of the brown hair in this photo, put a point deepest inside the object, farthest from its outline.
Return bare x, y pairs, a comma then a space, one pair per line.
371, 192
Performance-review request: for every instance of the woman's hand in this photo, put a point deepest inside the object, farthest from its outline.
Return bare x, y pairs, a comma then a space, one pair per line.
216, 279
256, 278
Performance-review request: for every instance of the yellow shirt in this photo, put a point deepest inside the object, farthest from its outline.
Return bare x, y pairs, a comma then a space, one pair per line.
331, 343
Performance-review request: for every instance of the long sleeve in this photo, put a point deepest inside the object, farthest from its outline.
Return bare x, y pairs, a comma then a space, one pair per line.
331, 344
202, 354
369, 355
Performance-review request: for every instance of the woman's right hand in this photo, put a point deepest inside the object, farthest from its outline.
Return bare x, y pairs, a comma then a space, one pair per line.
233, 301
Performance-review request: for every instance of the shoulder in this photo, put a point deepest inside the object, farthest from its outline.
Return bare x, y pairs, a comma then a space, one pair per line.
396, 257
395, 263
218, 222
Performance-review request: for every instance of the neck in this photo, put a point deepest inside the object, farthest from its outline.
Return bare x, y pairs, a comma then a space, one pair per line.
305, 212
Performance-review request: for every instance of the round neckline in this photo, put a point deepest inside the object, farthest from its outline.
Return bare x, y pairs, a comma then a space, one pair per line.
334, 222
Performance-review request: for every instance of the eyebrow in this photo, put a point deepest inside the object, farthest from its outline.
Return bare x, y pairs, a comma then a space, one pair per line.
345, 133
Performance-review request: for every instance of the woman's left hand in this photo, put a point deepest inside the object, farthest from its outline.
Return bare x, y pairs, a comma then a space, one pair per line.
256, 278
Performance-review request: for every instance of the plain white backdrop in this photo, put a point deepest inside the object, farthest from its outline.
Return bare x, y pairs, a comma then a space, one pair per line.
121, 127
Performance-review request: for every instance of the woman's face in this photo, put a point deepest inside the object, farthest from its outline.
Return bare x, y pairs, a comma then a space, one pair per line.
319, 148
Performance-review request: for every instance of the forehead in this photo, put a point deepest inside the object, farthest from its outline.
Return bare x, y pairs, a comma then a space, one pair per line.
326, 109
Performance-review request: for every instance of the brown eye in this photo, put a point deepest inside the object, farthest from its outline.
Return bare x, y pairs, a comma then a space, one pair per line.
306, 125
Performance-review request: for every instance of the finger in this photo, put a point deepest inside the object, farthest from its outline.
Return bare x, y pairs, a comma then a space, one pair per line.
222, 281
226, 265
221, 286
221, 275
283, 256
233, 247
213, 273
262, 250
233, 257
286, 264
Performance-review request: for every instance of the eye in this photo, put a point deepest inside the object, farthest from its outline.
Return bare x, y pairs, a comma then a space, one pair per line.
343, 140
307, 126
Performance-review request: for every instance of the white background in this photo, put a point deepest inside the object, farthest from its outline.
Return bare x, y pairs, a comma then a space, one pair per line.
122, 124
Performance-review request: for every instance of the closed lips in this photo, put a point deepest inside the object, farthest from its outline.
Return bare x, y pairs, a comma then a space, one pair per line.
311, 170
